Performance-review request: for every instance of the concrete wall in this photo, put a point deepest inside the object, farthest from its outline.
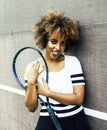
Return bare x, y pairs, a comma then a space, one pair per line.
16, 21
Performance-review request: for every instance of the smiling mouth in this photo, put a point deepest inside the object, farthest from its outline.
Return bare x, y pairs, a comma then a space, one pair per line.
55, 53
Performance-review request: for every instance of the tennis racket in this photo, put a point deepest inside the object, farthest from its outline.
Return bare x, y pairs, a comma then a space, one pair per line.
23, 58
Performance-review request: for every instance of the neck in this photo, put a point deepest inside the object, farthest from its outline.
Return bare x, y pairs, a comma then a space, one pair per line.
55, 65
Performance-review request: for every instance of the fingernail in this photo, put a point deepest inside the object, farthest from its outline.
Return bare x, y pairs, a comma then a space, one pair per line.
38, 61
42, 79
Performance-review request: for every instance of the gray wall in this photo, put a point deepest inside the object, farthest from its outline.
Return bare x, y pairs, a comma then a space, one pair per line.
16, 21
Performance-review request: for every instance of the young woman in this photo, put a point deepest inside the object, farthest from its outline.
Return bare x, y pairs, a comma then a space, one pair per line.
55, 33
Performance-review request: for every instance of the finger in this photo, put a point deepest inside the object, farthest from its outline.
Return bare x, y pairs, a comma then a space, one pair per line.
40, 83
31, 66
43, 80
41, 69
28, 68
37, 65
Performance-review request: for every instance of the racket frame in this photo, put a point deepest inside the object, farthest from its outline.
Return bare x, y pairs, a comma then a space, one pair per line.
14, 67
50, 110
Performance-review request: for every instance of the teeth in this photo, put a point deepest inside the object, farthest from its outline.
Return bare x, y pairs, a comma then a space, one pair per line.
55, 52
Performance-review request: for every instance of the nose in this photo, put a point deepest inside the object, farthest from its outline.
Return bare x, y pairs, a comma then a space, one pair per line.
58, 46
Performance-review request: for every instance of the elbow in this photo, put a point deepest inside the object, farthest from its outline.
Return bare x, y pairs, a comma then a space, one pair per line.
79, 100
79, 92
32, 110
79, 103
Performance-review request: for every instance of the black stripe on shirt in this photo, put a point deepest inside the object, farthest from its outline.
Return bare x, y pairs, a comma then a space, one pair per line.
78, 81
55, 105
67, 110
77, 75
63, 111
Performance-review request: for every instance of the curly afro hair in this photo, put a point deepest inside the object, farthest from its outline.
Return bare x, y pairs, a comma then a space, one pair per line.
52, 21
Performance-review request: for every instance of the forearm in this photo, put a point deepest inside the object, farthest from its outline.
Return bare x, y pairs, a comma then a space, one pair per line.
75, 98
67, 99
31, 100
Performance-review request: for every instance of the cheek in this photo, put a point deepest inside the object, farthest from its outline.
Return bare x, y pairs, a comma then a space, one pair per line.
63, 48
49, 45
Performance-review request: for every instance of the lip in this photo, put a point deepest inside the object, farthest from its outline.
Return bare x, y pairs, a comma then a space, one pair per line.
55, 53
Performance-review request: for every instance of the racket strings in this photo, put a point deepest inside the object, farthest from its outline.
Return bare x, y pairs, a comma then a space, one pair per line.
26, 58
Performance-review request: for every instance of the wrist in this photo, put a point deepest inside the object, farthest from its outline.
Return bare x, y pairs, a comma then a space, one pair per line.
32, 82
50, 93
31, 85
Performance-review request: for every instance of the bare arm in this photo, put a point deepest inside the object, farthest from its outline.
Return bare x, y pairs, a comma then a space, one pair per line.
31, 72
75, 98
31, 100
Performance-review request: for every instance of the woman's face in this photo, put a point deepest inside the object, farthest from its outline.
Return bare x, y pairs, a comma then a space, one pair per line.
56, 45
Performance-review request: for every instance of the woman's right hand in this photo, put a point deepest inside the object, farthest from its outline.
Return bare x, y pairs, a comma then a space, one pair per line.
32, 72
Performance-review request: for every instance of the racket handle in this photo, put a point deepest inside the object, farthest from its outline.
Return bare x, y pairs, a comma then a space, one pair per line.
51, 114
54, 118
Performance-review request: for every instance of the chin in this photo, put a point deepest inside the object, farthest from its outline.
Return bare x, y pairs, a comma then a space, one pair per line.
55, 57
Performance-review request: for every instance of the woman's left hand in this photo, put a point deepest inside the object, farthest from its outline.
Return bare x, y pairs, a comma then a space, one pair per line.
43, 88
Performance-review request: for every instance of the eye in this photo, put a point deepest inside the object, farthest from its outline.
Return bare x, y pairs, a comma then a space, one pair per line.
63, 43
53, 41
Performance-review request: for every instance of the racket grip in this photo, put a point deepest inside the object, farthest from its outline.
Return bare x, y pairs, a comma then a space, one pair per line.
54, 118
